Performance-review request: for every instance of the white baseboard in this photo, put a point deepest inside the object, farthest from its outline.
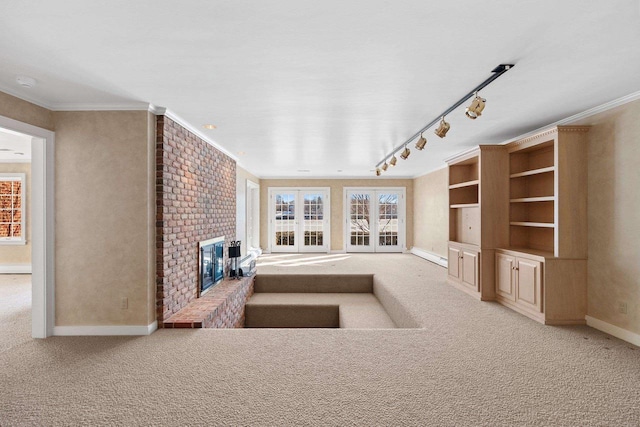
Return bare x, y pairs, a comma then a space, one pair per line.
15, 268
429, 256
614, 330
74, 331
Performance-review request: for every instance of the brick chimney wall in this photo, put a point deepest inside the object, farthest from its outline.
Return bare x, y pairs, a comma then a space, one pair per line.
196, 201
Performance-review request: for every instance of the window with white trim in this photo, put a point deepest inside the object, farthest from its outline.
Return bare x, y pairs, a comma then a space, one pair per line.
12, 205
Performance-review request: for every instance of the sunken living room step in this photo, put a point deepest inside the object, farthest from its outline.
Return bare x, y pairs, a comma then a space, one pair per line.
315, 301
314, 283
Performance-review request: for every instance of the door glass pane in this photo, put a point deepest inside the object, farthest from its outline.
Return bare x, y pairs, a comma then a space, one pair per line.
360, 228
313, 220
388, 219
285, 219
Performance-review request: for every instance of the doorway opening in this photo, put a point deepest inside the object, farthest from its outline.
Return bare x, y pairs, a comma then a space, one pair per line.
26, 217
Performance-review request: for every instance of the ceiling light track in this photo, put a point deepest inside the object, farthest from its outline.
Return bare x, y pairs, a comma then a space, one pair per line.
476, 107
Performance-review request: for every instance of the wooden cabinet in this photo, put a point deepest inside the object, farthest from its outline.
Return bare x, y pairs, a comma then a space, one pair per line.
464, 266
519, 283
470, 264
529, 284
505, 280
454, 266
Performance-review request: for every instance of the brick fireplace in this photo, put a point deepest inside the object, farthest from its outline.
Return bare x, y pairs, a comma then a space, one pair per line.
196, 201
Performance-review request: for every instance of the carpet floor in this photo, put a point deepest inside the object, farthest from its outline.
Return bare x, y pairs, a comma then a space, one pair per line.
468, 364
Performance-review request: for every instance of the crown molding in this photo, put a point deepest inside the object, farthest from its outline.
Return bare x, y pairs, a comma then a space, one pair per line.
462, 154
36, 101
445, 166
333, 177
583, 115
120, 106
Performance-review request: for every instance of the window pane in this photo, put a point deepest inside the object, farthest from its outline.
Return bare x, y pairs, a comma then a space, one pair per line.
5, 230
11, 207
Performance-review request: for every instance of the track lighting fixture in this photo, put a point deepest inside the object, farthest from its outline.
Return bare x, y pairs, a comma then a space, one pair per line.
377, 171
474, 110
385, 166
443, 128
421, 143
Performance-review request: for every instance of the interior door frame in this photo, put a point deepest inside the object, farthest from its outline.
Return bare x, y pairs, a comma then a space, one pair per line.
253, 213
42, 225
300, 211
402, 216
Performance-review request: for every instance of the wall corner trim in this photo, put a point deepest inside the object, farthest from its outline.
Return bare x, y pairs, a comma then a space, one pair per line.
429, 256
15, 268
616, 331
115, 330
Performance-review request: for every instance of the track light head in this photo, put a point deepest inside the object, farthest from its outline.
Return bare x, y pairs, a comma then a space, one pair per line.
385, 166
378, 172
393, 160
421, 143
474, 110
443, 128
405, 153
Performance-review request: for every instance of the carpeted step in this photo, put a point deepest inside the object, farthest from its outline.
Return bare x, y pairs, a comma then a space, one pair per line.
291, 316
392, 306
316, 310
314, 283
364, 316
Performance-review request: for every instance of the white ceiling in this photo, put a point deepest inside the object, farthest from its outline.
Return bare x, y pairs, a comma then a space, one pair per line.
14, 147
326, 85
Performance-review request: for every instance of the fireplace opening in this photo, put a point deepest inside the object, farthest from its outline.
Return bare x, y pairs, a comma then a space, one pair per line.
211, 263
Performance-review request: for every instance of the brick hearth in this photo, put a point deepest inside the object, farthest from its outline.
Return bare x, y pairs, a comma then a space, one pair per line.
222, 307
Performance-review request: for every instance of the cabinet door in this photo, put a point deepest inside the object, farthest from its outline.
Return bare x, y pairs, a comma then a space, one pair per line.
454, 262
469, 261
505, 267
529, 284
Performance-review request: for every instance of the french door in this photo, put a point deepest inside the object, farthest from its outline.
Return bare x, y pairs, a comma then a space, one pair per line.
375, 219
299, 219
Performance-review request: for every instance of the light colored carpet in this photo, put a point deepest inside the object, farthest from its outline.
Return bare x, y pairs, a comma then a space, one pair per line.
15, 310
472, 364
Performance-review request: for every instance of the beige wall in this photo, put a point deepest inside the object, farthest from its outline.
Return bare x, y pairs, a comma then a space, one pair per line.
337, 206
103, 178
614, 216
19, 254
242, 176
431, 212
23, 111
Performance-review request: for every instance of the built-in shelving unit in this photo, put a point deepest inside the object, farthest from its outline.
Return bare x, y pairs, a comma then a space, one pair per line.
478, 217
532, 197
463, 200
517, 228
542, 272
